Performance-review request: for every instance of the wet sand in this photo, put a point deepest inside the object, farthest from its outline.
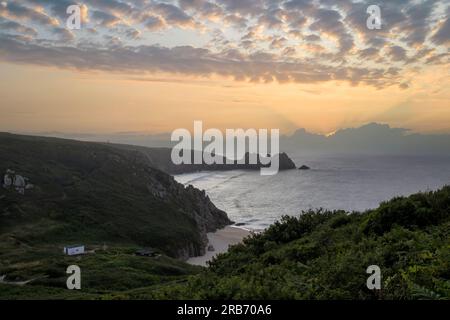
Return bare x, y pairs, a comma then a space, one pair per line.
220, 240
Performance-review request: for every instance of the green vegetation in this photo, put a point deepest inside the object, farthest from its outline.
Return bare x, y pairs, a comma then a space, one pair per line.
100, 196
319, 255
113, 202
324, 255
92, 193
105, 274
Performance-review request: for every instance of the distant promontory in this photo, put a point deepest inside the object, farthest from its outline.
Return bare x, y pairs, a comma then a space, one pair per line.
161, 158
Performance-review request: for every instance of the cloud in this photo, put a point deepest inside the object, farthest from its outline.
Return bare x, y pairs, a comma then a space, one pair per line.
63, 34
442, 36
245, 8
278, 42
59, 8
132, 33
17, 11
236, 20
272, 19
106, 19
257, 67
368, 53
9, 25
302, 5
154, 23
397, 53
253, 40
418, 24
174, 15
329, 22
112, 6
203, 8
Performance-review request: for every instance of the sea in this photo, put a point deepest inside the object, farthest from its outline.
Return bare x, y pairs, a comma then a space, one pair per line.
335, 182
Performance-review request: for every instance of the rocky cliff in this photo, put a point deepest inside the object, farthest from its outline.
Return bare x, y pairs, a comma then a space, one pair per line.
94, 193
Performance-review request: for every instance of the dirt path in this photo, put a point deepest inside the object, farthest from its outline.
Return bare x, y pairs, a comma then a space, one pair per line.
19, 283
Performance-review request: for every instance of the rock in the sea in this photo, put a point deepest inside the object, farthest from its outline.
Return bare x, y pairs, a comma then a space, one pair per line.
304, 167
285, 162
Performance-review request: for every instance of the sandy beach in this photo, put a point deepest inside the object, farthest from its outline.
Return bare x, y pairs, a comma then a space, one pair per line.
220, 240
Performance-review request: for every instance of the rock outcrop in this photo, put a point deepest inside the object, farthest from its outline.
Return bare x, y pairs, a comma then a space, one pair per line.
14, 181
96, 193
161, 158
196, 204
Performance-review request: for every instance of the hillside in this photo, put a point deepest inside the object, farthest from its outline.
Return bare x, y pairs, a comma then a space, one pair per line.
324, 255
318, 255
111, 200
93, 193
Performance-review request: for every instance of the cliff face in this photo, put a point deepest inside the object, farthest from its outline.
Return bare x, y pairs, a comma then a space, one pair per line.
195, 204
91, 193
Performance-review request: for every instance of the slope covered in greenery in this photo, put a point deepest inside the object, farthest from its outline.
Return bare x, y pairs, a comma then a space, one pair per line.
324, 255
318, 255
91, 193
112, 201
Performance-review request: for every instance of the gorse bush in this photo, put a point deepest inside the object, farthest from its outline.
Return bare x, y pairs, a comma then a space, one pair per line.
417, 211
324, 255
318, 255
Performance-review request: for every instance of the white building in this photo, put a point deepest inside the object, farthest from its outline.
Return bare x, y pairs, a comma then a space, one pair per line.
74, 250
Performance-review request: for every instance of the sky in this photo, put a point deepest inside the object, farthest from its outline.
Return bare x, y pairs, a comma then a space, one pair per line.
153, 66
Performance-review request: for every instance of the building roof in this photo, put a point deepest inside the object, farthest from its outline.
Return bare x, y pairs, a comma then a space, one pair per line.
74, 246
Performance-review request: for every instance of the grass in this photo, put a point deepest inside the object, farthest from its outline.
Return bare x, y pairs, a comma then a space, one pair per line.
107, 271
